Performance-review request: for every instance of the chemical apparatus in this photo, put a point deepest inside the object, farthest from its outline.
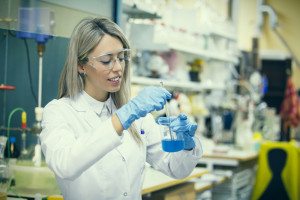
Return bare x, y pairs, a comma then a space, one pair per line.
37, 24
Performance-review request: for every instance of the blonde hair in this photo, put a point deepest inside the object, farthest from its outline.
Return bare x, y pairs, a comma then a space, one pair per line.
85, 37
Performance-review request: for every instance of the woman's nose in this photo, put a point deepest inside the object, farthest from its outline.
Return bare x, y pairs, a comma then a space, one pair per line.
117, 65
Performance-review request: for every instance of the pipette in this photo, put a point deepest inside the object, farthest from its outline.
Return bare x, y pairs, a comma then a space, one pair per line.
167, 112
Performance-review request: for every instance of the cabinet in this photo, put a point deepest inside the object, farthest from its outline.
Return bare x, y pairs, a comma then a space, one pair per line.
241, 163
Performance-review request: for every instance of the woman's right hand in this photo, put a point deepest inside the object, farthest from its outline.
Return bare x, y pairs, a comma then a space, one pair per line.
149, 99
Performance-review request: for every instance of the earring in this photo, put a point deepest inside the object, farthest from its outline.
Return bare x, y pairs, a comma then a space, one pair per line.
82, 74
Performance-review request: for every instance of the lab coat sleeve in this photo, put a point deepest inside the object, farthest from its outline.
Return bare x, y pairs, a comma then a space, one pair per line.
177, 165
67, 155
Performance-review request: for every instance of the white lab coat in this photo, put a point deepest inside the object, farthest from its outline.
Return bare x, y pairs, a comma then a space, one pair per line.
92, 162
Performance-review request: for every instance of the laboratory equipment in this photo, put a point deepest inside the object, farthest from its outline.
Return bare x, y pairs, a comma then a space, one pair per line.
31, 180
3, 140
37, 24
23, 136
12, 150
4, 170
171, 142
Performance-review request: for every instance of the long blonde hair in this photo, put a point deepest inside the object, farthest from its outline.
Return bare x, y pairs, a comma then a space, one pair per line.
85, 37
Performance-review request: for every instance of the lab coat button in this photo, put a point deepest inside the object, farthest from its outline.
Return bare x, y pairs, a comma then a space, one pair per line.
123, 159
125, 193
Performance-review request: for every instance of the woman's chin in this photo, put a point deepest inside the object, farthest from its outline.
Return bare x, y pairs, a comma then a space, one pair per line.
114, 89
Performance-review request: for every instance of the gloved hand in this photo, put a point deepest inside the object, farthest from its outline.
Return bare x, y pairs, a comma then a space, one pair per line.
181, 124
149, 99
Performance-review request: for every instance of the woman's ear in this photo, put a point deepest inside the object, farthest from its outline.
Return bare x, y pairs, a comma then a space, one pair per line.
81, 69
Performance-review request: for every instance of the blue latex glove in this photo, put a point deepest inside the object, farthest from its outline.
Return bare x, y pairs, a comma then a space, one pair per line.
149, 99
181, 124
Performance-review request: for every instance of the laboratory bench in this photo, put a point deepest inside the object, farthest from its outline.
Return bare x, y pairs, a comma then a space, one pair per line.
155, 180
158, 186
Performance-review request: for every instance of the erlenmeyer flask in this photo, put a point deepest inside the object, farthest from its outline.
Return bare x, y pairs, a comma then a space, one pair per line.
171, 142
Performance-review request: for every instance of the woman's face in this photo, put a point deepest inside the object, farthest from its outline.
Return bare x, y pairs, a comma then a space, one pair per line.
105, 68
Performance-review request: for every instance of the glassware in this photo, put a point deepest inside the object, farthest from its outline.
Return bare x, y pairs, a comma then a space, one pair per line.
4, 170
171, 142
3, 140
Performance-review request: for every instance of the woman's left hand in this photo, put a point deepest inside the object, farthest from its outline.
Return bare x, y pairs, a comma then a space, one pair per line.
181, 124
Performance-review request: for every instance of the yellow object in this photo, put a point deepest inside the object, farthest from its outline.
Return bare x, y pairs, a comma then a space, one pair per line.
282, 159
55, 197
196, 65
257, 140
257, 136
3, 196
24, 117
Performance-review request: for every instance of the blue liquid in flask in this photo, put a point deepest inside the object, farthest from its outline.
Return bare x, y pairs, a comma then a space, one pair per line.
169, 145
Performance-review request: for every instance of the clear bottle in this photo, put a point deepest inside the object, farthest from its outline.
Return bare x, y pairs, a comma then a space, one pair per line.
4, 175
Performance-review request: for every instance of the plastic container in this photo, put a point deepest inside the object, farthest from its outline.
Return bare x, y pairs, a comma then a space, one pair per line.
31, 180
5, 177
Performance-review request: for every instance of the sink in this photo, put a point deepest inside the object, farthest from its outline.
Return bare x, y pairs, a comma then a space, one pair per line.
30, 180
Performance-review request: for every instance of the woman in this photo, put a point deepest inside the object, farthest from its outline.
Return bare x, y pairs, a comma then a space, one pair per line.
91, 134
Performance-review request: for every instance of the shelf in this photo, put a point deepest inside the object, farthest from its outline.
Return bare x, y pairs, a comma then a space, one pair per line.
139, 12
223, 34
181, 85
204, 53
143, 37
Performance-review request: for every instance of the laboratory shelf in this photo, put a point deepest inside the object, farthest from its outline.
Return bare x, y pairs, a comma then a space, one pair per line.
223, 34
139, 11
207, 54
181, 85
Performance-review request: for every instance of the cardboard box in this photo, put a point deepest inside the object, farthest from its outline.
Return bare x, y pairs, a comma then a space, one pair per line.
184, 191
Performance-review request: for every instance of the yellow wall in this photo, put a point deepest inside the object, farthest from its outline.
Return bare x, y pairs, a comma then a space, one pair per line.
289, 26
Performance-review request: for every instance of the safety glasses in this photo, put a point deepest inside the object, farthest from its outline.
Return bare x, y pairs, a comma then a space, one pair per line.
109, 59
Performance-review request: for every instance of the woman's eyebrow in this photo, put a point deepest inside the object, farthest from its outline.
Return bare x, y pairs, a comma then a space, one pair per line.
112, 52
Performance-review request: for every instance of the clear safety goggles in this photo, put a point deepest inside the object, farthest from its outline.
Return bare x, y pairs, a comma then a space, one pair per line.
109, 59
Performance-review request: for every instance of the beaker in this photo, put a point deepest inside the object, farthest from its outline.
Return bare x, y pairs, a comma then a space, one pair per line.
171, 142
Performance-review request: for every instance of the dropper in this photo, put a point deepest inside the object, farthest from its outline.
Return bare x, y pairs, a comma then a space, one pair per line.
167, 112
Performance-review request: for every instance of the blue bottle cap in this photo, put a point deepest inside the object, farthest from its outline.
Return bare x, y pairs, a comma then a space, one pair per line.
12, 139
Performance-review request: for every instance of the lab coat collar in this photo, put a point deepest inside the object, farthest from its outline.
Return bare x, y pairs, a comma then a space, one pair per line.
80, 104
98, 106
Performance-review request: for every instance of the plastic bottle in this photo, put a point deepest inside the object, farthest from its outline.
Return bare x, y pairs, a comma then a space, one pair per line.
13, 151
257, 140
